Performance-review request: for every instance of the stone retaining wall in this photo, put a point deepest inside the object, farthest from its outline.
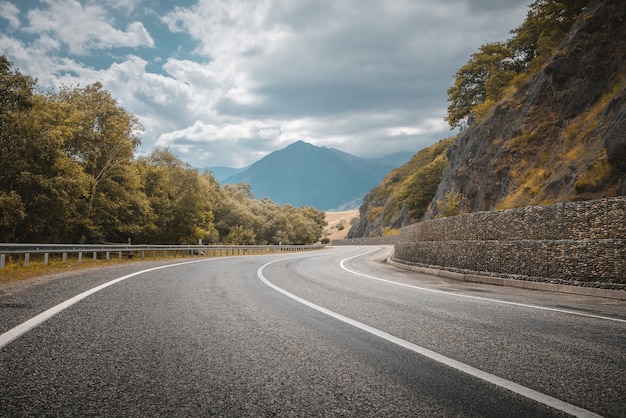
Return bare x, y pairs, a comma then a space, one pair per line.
574, 242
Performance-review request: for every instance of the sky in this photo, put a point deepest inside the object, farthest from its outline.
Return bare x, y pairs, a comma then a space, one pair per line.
226, 82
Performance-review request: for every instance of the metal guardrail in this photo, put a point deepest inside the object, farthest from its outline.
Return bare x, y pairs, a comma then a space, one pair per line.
140, 250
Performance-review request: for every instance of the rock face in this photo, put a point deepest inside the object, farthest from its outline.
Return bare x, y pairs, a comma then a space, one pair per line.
561, 136
615, 143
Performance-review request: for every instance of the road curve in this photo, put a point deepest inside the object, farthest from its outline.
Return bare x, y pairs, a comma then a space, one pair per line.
333, 332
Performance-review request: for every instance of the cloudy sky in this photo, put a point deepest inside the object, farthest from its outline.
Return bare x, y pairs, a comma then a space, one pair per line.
225, 82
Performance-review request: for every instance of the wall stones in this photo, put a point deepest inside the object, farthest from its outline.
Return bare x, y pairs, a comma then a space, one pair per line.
574, 242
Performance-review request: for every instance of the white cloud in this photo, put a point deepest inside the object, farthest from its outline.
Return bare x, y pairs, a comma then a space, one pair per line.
84, 27
10, 12
365, 76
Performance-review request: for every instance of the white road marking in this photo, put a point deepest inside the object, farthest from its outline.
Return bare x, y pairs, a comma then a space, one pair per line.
24, 327
488, 377
443, 292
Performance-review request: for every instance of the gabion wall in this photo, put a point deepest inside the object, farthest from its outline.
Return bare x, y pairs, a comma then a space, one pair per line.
578, 242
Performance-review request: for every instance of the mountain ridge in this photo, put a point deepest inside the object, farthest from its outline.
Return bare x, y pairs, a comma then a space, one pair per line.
303, 174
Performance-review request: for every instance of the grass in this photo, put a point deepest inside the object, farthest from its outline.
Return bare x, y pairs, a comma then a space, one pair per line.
14, 270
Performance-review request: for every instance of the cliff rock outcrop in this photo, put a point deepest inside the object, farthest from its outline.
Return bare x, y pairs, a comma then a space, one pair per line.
561, 136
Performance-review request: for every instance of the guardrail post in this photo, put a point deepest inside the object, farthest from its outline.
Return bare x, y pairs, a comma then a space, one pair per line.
80, 257
64, 258
26, 259
119, 255
108, 255
143, 254
2, 260
95, 255
45, 259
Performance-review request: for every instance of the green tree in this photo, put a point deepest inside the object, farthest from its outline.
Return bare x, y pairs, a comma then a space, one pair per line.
181, 200
418, 190
104, 137
484, 78
235, 208
546, 23
40, 186
480, 83
315, 221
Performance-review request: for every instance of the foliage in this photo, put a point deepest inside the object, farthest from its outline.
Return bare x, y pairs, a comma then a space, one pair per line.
405, 193
391, 232
495, 66
69, 174
484, 78
450, 205
180, 200
418, 189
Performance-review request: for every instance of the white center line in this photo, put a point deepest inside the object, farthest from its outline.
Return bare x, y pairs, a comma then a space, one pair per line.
488, 377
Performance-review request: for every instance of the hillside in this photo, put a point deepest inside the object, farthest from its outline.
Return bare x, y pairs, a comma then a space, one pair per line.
404, 194
561, 136
306, 175
338, 224
558, 134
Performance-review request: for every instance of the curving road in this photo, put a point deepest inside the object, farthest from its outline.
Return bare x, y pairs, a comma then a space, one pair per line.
328, 333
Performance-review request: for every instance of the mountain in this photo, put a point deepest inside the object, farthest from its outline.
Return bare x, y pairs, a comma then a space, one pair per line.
394, 160
222, 173
303, 174
559, 134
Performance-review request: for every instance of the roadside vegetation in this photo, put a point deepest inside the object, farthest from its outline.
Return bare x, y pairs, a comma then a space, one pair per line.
70, 174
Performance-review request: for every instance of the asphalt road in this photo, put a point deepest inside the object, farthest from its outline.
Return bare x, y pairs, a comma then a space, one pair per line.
328, 333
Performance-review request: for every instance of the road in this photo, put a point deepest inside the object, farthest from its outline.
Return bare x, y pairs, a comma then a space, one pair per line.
328, 333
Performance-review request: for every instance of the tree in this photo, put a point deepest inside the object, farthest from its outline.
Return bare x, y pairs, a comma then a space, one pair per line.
236, 207
418, 189
315, 220
104, 137
546, 23
239, 235
181, 200
480, 83
40, 185
484, 78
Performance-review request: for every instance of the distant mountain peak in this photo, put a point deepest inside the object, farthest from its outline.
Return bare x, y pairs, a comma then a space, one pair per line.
304, 174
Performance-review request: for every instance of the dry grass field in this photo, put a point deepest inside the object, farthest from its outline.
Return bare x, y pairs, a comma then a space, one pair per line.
335, 219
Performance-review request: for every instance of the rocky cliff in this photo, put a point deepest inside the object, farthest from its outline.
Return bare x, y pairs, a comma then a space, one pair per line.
558, 135
561, 136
